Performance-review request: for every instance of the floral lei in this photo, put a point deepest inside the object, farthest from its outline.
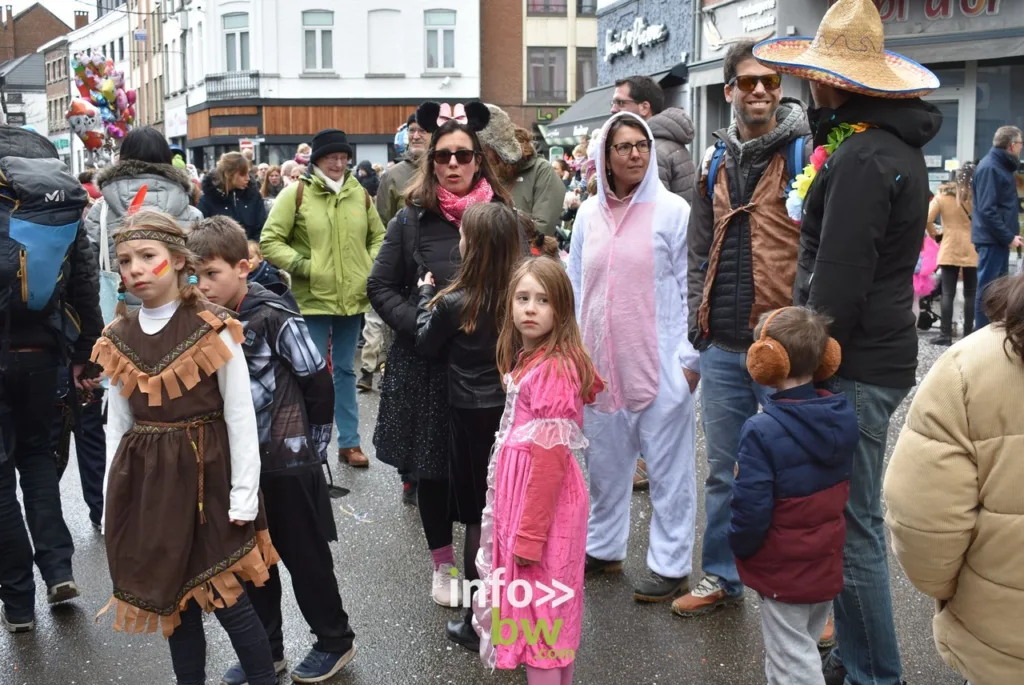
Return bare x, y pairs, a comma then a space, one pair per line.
803, 180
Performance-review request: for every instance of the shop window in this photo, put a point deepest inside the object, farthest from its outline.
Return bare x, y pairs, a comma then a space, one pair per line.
382, 25
440, 28
236, 41
586, 8
318, 39
586, 70
546, 75
1000, 103
546, 8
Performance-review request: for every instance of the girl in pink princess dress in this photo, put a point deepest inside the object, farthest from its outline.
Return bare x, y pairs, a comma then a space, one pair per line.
534, 529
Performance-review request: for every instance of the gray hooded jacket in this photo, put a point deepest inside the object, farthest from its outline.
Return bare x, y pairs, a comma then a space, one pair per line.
673, 131
168, 189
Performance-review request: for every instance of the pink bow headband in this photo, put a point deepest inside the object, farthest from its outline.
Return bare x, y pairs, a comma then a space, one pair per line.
448, 113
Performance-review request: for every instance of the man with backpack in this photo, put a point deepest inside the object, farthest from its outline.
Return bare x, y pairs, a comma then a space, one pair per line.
49, 318
742, 264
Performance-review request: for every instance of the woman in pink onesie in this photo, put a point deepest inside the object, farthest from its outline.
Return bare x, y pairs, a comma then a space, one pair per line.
534, 529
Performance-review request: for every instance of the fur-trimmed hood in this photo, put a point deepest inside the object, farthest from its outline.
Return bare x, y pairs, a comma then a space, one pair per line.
169, 188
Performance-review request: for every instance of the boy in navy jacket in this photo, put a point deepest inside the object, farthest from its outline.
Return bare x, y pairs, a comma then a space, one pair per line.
294, 398
788, 528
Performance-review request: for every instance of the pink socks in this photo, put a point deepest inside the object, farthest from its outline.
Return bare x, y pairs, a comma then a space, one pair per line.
442, 555
549, 676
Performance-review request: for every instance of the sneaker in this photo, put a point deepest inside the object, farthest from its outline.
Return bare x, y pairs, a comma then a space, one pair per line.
236, 676
595, 565
657, 588
705, 598
828, 636
463, 634
640, 481
833, 670
25, 626
365, 381
319, 666
61, 592
353, 456
441, 588
409, 493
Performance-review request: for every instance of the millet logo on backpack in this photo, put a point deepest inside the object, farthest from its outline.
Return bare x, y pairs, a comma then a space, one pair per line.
55, 196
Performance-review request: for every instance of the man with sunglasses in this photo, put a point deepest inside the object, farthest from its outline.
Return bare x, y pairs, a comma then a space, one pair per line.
742, 263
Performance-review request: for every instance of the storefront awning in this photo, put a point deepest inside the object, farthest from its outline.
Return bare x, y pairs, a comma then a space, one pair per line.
593, 109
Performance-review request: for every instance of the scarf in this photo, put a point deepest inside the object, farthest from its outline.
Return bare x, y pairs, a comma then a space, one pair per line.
333, 186
453, 207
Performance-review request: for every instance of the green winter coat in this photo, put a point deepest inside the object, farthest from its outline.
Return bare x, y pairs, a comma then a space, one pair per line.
328, 248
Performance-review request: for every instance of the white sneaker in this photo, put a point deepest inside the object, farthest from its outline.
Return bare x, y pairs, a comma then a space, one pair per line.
445, 577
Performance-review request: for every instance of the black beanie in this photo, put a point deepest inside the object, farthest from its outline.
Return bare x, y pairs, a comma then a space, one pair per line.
328, 141
411, 120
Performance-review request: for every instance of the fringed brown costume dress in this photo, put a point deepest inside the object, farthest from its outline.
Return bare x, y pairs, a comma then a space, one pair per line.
168, 535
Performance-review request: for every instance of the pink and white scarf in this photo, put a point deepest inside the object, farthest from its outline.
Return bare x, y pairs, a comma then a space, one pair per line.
453, 207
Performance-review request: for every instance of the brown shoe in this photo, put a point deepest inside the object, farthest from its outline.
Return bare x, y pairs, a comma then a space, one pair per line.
828, 636
703, 599
640, 481
353, 456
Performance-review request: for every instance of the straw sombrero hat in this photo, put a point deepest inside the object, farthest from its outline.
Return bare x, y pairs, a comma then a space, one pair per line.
848, 53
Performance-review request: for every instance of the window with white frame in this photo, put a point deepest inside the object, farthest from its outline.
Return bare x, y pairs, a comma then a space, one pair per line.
440, 27
236, 41
381, 26
318, 40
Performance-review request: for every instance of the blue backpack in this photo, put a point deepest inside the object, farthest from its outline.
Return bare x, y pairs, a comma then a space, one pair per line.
795, 161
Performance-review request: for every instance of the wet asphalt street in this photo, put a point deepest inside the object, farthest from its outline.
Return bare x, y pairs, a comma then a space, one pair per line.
383, 569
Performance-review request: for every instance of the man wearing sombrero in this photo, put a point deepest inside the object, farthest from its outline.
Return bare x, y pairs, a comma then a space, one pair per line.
862, 204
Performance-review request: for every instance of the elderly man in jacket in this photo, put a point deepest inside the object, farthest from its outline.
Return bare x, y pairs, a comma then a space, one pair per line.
862, 221
672, 129
994, 223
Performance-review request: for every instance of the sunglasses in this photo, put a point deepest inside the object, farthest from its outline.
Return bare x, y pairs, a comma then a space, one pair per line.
461, 156
748, 83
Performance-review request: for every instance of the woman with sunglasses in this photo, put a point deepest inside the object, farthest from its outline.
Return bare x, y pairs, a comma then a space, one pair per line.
627, 264
412, 432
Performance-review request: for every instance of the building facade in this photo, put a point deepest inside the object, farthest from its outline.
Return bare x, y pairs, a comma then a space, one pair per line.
22, 33
537, 56
146, 58
635, 37
56, 65
277, 73
976, 47
24, 91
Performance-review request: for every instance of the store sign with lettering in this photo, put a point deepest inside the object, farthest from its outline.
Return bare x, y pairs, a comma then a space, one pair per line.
757, 16
634, 39
726, 25
900, 10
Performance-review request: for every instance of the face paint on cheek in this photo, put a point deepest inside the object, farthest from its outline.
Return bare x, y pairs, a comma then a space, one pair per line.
162, 268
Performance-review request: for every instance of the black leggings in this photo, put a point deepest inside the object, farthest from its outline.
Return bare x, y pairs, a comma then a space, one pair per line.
949, 279
434, 500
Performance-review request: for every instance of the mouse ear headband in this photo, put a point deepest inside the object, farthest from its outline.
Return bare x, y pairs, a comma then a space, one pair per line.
768, 361
432, 116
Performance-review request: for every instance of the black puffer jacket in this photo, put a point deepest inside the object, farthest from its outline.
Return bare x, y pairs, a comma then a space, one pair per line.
732, 293
416, 241
244, 206
863, 223
473, 378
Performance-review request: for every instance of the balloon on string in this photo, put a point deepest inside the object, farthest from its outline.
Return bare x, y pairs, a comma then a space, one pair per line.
85, 120
107, 114
121, 100
108, 90
83, 89
131, 96
117, 129
118, 78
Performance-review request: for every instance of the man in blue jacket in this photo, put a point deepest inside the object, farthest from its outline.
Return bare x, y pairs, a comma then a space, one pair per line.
994, 223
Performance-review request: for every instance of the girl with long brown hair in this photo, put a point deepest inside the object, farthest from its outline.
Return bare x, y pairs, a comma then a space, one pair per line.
183, 459
956, 252
534, 529
231, 191
461, 324
412, 432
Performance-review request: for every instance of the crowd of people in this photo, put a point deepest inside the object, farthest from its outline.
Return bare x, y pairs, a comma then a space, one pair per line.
217, 323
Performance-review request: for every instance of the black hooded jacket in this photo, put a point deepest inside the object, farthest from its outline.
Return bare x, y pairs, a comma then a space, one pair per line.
245, 206
863, 225
370, 181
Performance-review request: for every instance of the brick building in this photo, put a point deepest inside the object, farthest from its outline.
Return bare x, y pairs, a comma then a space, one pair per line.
22, 33
57, 67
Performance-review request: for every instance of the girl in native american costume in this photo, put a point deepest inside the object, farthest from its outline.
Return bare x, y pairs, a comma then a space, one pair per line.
183, 459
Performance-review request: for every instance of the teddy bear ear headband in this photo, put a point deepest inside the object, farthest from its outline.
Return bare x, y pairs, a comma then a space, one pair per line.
432, 116
768, 361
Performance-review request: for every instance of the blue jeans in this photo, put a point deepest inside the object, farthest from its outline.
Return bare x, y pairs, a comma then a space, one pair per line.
993, 264
729, 396
865, 630
341, 333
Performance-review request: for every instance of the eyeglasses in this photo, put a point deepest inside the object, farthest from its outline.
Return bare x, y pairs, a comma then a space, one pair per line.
461, 156
749, 83
626, 149
622, 102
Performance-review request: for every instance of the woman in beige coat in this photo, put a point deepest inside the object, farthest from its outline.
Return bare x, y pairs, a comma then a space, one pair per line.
957, 253
953, 491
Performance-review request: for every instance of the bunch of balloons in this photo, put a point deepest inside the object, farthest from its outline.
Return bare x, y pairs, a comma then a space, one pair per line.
106, 110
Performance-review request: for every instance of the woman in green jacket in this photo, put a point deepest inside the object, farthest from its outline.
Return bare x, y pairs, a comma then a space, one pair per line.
325, 232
